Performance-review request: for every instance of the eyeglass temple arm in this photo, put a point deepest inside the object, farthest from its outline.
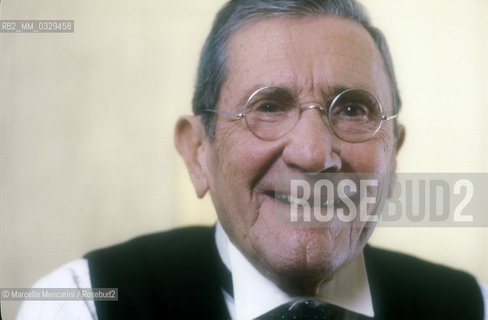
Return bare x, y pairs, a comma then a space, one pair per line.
389, 117
236, 115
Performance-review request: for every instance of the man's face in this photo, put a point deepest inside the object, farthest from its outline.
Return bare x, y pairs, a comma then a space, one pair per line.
313, 57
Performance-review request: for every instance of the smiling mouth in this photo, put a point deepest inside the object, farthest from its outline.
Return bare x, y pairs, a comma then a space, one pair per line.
288, 199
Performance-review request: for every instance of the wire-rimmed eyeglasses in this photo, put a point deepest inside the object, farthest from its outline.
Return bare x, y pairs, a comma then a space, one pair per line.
354, 115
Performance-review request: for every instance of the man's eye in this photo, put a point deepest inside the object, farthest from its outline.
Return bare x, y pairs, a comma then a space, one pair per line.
270, 108
352, 110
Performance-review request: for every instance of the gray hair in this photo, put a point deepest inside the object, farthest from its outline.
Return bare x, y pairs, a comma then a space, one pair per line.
212, 66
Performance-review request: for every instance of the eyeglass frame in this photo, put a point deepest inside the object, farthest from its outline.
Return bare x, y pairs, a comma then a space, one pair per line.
301, 109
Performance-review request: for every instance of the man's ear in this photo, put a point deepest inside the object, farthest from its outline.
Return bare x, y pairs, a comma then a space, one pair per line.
189, 139
400, 138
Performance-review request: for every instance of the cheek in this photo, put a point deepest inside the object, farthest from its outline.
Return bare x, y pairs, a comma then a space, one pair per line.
372, 156
244, 158
242, 161
365, 161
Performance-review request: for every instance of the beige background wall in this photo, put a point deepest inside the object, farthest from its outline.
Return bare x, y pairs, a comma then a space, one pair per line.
87, 120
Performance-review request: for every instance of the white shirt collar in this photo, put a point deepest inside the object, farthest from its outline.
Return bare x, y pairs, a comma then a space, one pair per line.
254, 294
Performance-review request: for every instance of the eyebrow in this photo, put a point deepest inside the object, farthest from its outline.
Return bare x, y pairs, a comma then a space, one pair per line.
241, 103
330, 93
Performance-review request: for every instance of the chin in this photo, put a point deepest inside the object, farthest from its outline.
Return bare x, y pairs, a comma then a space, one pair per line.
313, 254
300, 275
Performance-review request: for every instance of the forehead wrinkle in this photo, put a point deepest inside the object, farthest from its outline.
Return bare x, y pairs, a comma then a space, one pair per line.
353, 73
302, 62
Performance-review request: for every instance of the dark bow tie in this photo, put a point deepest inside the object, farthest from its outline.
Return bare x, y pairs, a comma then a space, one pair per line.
306, 309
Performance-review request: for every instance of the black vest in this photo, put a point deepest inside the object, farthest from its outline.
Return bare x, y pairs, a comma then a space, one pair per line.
178, 275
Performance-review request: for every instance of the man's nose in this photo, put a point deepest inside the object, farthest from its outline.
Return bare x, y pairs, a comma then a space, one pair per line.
310, 144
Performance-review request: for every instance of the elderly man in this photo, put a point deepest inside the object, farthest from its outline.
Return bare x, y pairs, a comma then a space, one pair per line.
285, 88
